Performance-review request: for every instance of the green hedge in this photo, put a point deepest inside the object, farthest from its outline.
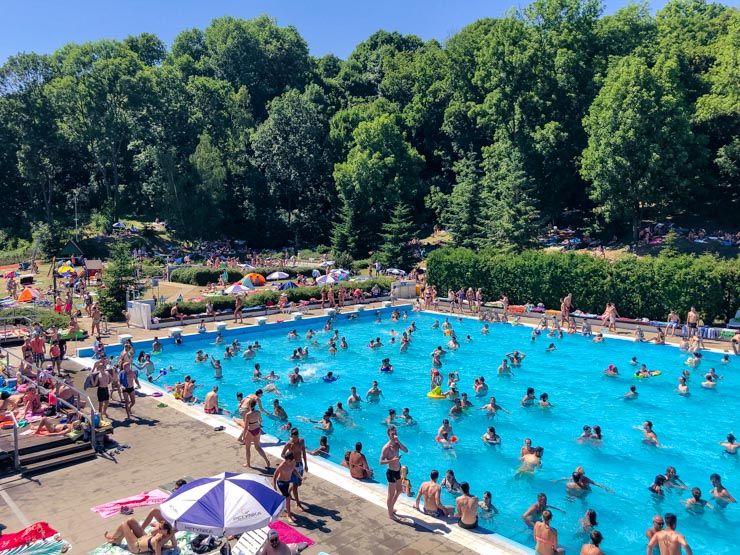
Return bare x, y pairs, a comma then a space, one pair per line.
647, 287
46, 317
261, 298
201, 275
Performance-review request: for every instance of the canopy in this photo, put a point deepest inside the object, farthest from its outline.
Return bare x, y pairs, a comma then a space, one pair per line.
29, 294
119, 225
277, 275
326, 263
236, 288
326, 279
256, 279
340, 275
247, 266
288, 285
395, 272
223, 504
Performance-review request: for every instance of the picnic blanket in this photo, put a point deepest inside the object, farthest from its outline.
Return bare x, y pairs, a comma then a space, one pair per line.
288, 534
153, 497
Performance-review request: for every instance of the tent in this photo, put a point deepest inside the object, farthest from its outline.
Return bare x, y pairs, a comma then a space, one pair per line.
94, 268
287, 285
29, 294
256, 279
246, 282
71, 250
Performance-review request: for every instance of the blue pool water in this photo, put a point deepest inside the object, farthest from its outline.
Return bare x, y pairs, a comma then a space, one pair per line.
689, 428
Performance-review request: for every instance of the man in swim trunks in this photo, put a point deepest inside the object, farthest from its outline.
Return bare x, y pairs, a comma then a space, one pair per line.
295, 378
297, 447
669, 541
210, 405
430, 491
358, 467
719, 491
285, 475
692, 321
390, 456
374, 394
353, 398
674, 320
467, 508
535, 511
657, 526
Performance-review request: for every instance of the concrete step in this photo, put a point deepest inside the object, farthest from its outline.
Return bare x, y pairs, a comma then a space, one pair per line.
66, 460
54, 453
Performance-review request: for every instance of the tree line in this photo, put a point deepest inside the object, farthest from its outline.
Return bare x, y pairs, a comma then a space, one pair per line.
237, 130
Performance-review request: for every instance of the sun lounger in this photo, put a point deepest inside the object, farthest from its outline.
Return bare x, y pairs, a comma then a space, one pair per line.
250, 542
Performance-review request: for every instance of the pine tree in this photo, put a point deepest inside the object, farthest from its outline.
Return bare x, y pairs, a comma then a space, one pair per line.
463, 211
396, 250
118, 277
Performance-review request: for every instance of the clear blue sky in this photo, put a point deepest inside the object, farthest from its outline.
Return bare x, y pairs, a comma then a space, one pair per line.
329, 26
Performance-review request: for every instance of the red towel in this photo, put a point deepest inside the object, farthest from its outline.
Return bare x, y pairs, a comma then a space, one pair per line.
35, 532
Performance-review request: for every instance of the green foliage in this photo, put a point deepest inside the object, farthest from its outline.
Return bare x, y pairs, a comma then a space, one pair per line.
641, 287
118, 277
396, 250
44, 316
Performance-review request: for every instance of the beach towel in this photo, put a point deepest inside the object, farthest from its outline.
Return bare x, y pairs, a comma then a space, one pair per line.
49, 546
153, 497
288, 534
37, 531
182, 539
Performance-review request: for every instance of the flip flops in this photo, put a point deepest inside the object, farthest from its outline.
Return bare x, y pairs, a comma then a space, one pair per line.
219, 428
127, 511
162, 405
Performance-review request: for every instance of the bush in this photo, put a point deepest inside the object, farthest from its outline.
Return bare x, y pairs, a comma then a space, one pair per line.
44, 316
261, 298
645, 287
201, 275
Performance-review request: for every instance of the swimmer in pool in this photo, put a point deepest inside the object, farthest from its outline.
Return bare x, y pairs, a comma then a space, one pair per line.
730, 445
544, 402
633, 361
725, 359
492, 408
695, 504
709, 383
682, 388
632, 393
720, 493
374, 394
551, 347
295, 378
491, 437
672, 480
578, 482
486, 507
529, 398
505, 369
516, 358
354, 398
531, 461
611, 370
651, 437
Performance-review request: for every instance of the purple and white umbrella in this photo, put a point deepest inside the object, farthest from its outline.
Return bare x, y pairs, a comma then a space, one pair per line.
277, 275
326, 280
224, 504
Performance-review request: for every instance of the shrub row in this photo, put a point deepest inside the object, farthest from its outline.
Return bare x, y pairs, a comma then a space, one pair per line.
295, 295
647, 287
201, 275
44, 316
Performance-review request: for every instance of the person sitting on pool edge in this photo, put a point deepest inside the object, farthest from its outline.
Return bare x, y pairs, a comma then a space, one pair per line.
467, 508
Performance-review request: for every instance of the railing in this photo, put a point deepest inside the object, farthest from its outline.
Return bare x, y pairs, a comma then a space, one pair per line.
16, 454
58, 384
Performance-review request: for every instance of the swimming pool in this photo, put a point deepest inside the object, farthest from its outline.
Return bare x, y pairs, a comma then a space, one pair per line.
689, 428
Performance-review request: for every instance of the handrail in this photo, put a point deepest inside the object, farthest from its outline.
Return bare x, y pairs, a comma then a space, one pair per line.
59, 383
16, 453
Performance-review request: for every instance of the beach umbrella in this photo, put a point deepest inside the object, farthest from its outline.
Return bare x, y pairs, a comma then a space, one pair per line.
256, 279
236, 288
395, 272
119, 225
246, 283
326, 263
341, 275
326, 280
247, 266
288, 285
277, 275
224, 504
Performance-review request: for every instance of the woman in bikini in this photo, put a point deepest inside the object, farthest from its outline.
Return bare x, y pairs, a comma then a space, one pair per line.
140, 542
252, 431
546, 536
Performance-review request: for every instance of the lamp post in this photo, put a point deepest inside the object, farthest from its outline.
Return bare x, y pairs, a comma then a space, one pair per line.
77, 236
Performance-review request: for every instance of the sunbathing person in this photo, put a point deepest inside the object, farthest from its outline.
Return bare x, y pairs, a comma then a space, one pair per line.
52, 427
139, 541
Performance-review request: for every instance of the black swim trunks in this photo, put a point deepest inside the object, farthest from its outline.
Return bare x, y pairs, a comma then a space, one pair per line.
692, 325
461, 524
284, 488
128, 390
392, 475
103, 394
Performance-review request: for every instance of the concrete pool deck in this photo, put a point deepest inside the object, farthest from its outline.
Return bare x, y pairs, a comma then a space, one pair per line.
170, 443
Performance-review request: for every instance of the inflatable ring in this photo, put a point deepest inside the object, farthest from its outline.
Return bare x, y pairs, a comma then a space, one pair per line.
448, 333
453, 439
652, 373
157, 394
385, 370
156, 353
6, 424
170, 388
332, 379
433, 395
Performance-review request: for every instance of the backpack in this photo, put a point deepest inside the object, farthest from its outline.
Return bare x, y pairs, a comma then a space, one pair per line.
123, 379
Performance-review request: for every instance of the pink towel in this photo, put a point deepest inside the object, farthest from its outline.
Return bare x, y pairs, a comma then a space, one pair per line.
154, 497
288, 534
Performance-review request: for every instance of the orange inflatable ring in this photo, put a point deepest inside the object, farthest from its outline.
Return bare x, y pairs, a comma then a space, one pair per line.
453, 439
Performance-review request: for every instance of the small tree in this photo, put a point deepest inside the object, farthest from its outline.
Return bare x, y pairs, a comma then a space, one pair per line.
118, 277
397, 234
